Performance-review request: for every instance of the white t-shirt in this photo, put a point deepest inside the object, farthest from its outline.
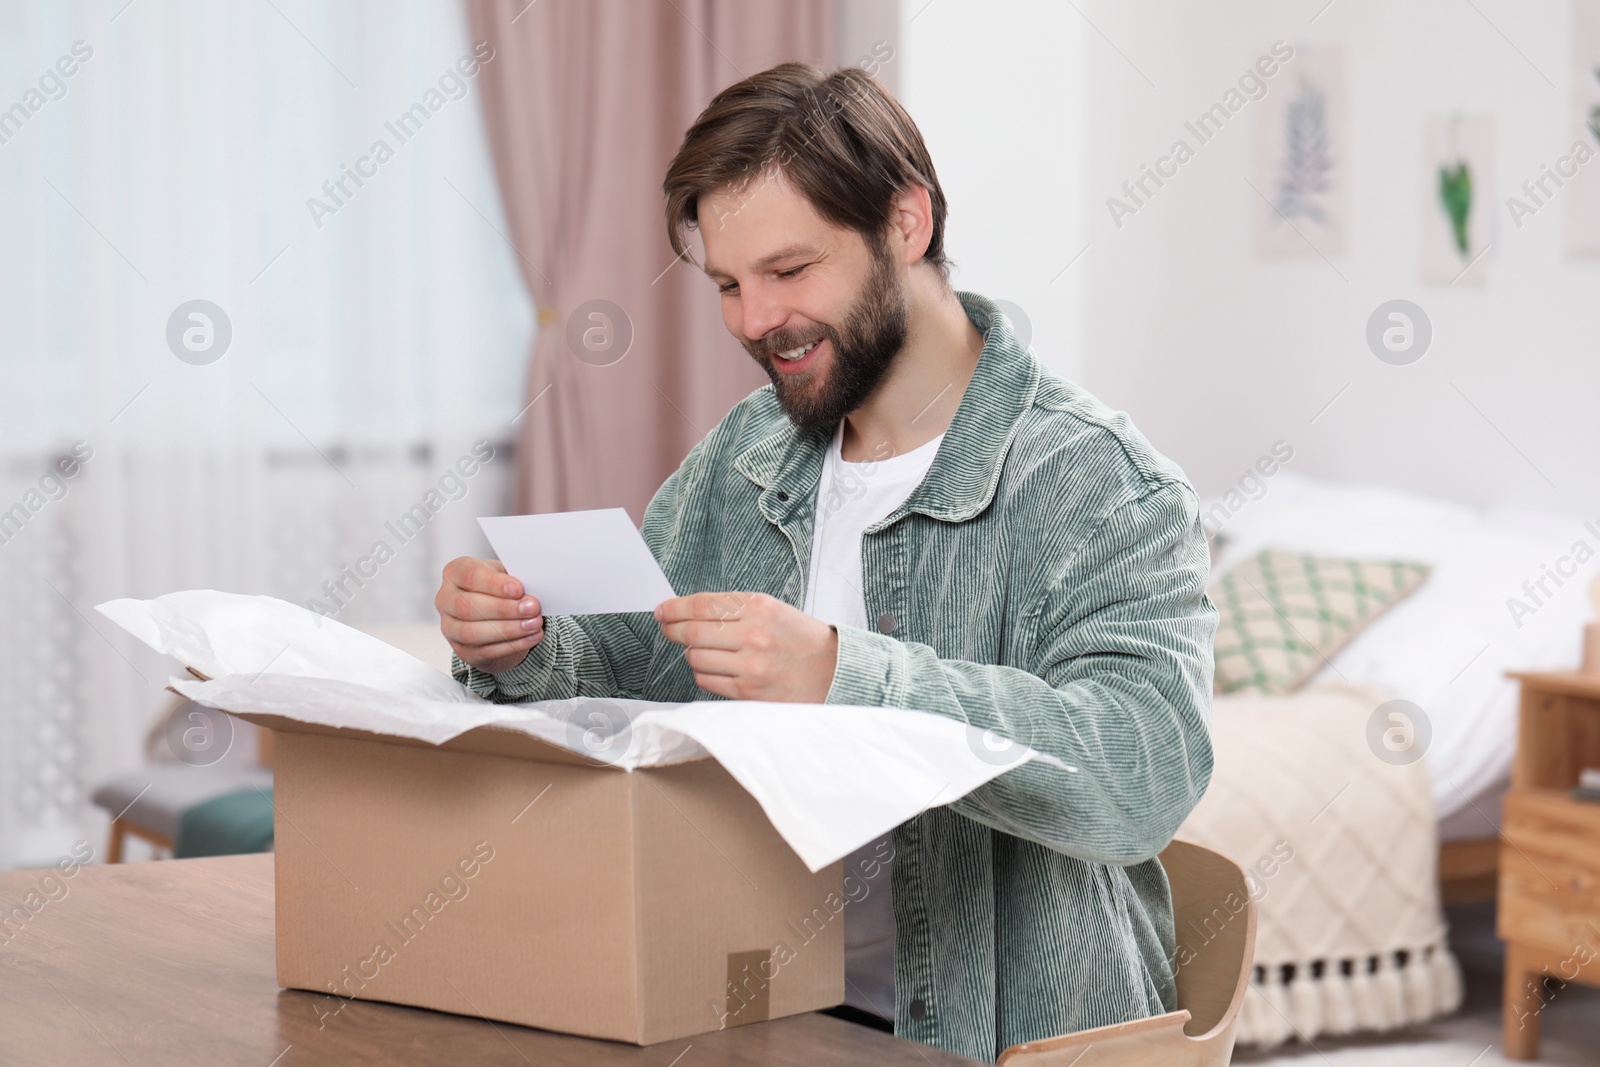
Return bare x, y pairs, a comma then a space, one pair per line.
851, 497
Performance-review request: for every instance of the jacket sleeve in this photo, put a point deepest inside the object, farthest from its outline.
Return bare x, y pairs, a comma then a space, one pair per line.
1121, 689
614, 655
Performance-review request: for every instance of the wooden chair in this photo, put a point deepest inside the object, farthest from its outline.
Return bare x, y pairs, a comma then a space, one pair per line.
1216, 931
150, 803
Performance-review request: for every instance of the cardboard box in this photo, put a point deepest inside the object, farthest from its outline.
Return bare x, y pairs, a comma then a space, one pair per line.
501, 876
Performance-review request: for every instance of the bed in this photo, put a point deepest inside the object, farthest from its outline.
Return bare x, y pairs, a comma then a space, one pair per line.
1506, 589
1448, 645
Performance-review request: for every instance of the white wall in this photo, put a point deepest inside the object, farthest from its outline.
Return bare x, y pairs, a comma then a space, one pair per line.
1215, 353
993, 87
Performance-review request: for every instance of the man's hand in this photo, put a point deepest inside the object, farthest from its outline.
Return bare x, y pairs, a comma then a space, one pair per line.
485, 617
751, 646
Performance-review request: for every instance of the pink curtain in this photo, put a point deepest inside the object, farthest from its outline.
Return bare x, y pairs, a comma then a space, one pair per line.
586, 101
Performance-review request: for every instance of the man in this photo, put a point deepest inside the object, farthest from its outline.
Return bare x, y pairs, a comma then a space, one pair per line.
914, 513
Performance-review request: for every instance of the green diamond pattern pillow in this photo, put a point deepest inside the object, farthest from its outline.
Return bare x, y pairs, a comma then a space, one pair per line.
1281, 615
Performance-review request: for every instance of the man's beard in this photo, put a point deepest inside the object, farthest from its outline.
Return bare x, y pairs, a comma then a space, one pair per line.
873, 332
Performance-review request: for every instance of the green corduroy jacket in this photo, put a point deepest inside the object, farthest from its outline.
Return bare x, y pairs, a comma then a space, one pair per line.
1046, 580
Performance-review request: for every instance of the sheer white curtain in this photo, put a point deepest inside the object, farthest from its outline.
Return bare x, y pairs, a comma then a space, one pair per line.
164, 152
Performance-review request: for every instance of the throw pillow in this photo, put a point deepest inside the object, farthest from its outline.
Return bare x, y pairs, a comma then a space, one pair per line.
1282, 615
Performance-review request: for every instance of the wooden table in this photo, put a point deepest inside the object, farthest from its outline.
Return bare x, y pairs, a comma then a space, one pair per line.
1549, 901
171, 962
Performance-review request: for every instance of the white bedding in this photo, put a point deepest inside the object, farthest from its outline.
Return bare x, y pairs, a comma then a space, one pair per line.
1341, 858
1447, 646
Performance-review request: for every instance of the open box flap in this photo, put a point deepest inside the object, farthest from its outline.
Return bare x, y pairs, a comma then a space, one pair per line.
830, 777
585, 731
484, 740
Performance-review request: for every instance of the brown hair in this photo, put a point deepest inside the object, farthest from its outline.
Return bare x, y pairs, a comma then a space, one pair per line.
840, 139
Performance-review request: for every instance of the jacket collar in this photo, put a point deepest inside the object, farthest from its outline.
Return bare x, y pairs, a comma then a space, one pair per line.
960, 483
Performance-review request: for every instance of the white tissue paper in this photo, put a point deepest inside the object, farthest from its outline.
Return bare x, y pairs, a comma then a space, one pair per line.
830, 777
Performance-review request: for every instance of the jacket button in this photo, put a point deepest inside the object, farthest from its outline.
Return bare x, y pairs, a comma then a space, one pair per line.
783, 495
887, 623
919, 1010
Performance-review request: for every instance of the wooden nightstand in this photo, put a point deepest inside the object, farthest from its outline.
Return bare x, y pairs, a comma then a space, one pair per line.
1549, 907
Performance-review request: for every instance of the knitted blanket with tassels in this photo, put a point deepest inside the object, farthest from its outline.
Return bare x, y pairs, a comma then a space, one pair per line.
1315, 795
